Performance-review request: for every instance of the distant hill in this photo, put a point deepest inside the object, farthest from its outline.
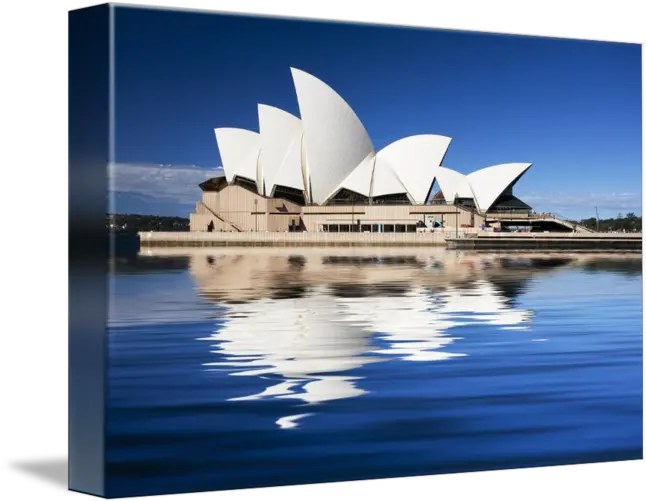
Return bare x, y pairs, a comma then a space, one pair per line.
130, 224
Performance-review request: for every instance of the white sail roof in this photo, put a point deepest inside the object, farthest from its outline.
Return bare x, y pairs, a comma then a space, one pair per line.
335, 141
489, 183
280, 137
414, 161
385, 180
239, 151
328, 149
453, 183
360, 179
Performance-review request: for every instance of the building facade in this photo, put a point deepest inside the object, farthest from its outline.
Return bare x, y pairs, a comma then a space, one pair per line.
321, 172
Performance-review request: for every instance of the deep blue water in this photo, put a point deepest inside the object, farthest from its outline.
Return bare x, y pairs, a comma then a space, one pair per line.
233, 369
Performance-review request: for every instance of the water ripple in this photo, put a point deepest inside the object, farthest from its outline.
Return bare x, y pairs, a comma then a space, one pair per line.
277, 366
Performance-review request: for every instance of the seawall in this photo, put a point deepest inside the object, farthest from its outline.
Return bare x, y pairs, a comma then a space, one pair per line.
486, 241
284, 239
549, 242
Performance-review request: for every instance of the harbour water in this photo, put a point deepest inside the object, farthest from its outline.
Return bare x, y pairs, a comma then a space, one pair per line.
232, 368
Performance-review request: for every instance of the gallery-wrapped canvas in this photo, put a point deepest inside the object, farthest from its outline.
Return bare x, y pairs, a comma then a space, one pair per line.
306, 251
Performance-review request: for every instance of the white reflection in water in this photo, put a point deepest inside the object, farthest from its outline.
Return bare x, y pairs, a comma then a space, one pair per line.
302, 340
309, 342
415, 325
302, 323
410, 324
288, 422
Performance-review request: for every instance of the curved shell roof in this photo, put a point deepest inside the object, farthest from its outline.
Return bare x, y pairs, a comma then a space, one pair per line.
328, 148
280, 134
239, 151
385, 180
335, 140
360, 179
453, 183
414, 161
489, 183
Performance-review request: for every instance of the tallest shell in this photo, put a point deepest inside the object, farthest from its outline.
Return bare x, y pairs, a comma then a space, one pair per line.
335, 140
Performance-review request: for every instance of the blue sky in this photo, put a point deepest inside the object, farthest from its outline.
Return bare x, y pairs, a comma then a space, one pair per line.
572, 108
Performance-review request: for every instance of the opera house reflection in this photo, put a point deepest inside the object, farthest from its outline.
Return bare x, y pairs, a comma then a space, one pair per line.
305, 323
306, 327
298, 340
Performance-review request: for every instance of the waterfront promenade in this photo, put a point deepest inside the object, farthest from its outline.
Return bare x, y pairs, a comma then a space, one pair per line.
296, 239
467, 239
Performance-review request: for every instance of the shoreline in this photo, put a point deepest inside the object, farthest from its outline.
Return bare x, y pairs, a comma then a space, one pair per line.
291, 239
466, 240
549, 242
312, 245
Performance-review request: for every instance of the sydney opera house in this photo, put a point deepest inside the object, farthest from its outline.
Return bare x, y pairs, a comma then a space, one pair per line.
321, 172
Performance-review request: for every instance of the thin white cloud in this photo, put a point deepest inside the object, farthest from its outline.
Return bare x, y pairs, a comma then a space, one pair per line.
583, 205
171, 183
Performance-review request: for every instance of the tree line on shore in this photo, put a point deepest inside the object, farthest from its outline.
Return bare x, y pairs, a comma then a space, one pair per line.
629, 223
130, 224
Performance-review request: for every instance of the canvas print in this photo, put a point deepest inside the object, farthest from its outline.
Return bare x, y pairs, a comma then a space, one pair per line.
345, 251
